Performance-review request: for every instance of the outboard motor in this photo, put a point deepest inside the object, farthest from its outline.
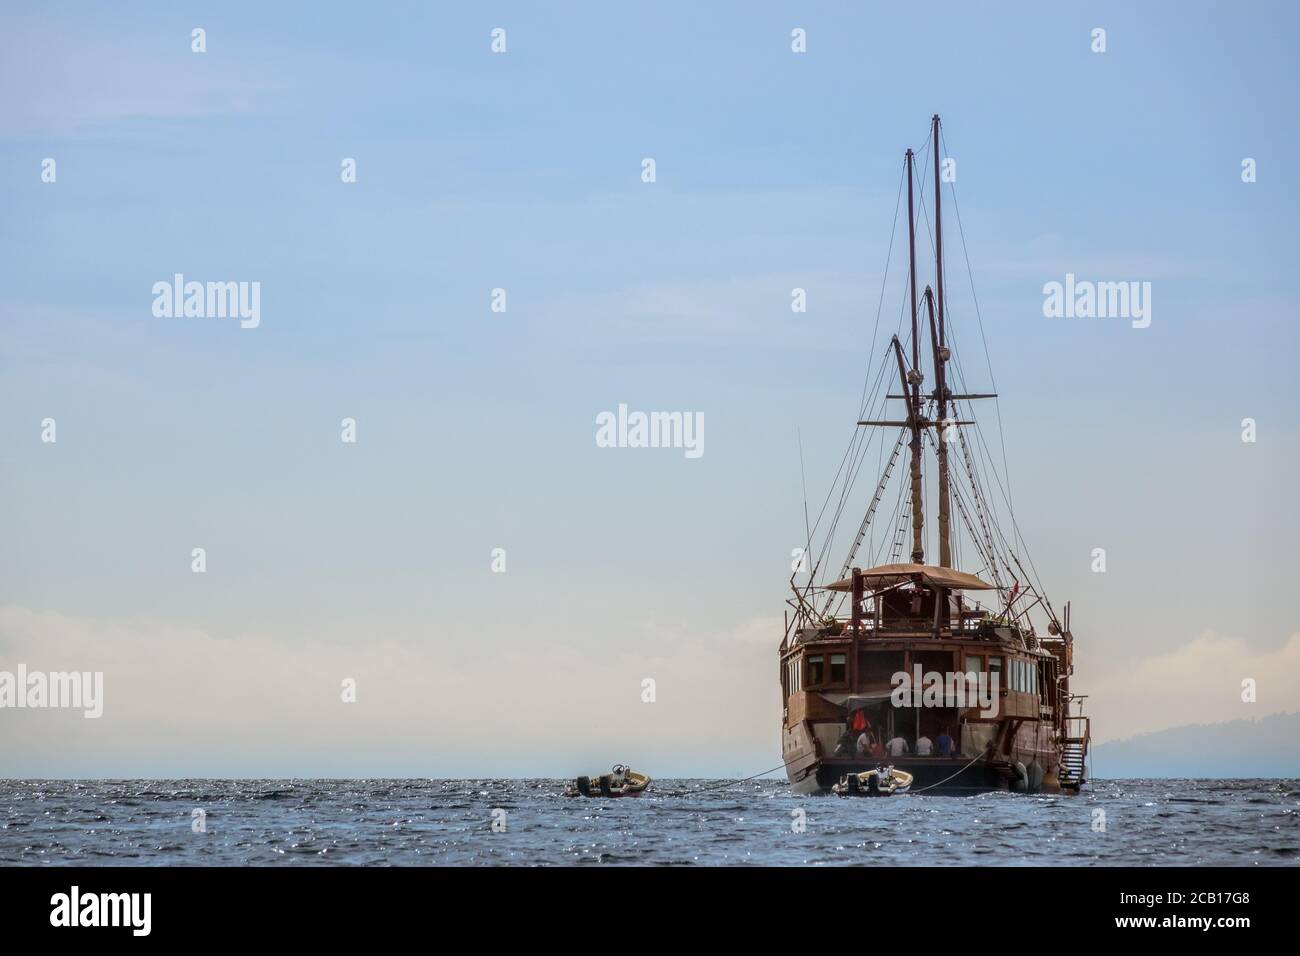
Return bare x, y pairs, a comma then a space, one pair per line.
584, 786
854, 784
605, 789
873, 784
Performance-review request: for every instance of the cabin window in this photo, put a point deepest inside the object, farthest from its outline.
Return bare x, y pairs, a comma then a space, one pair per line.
839, 668
816, 670
1017, 675
795, 672
939, 661
1033, 679
995, 667
877, 668
974, 663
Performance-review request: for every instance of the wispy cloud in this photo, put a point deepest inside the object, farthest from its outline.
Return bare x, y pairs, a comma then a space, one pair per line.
72, 81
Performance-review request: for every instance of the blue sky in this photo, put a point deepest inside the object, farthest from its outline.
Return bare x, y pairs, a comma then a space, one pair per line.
522, 171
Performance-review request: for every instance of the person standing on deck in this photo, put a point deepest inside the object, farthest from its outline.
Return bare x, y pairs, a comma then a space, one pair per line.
845, 746
897, 747
858, 722
924, 746
944, 743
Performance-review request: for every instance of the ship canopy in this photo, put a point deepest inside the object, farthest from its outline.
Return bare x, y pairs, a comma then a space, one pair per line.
890, 575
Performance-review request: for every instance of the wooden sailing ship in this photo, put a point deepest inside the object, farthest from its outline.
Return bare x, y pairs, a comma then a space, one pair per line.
958, 678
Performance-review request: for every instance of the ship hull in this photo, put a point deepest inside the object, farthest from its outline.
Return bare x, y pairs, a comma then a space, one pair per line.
935, 775
810, 773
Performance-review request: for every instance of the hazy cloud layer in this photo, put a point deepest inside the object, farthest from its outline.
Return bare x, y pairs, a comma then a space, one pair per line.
178, 701
1199, 683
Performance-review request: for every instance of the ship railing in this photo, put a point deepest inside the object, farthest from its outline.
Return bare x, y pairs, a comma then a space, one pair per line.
966, 624
835, 626
954, 629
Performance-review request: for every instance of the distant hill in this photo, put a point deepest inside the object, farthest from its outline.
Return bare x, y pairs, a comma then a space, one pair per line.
1266, 747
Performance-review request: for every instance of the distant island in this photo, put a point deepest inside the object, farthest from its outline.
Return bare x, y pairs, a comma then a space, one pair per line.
1265, 747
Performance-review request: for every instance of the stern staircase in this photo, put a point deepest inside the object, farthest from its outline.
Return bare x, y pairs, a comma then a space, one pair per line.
1075, 736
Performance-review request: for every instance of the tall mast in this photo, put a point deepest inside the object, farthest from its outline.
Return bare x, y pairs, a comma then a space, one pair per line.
938, 230
913, 378
940, 357
941, 425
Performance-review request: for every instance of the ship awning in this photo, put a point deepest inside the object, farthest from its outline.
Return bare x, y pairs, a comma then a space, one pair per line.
889, 575
853, 701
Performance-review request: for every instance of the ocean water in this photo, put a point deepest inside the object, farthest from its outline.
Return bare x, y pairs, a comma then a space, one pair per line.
679, 822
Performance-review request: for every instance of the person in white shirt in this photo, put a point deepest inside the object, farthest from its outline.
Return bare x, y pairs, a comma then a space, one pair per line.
923, 746
864, 743
897, 746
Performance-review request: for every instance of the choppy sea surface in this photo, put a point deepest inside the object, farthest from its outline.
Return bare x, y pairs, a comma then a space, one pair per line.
678, 822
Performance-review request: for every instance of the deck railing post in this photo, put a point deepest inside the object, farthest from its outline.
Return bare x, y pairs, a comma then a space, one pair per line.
855, 617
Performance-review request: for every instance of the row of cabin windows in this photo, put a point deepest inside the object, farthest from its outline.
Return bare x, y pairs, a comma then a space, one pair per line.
1023, 676
833, 669
975, 666
1028, 677
794, 675
828, 669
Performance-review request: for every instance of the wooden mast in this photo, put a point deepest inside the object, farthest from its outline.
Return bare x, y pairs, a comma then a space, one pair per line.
940, 357
913, 378
941, 610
